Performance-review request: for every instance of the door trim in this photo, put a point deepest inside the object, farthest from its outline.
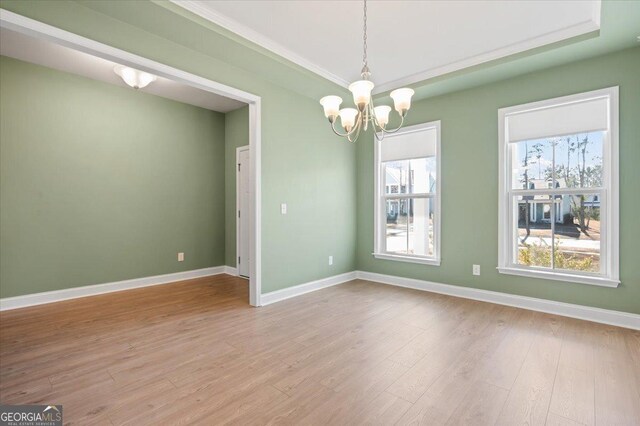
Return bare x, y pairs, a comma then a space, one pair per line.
238, 151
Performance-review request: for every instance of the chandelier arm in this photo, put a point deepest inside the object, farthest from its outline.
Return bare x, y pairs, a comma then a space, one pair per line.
374, 119
397, 128
357, 135
358, 120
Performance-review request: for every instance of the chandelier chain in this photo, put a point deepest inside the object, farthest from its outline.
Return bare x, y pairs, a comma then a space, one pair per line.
356, 120
364, 37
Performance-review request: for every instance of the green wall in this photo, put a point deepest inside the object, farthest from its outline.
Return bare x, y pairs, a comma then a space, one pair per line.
100, 183
236, 130
313, 171
303, 163
470, 182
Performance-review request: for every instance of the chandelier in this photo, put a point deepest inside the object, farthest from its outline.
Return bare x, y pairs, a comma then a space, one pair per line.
354, 120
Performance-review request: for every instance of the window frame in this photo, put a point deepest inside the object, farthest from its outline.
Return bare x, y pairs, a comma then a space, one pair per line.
380, 199
608, 195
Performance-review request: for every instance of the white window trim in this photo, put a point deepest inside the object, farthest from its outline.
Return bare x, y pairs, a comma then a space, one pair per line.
379, 203
609, 209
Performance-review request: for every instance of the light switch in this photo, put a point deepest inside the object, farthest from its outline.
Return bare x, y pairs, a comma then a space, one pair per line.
283, 208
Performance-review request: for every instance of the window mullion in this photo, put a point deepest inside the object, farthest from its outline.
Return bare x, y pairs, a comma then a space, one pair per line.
552, 206
404, 196
557, 191
553, 231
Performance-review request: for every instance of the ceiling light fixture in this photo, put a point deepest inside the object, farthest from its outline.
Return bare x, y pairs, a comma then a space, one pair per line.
353, 120
134, 78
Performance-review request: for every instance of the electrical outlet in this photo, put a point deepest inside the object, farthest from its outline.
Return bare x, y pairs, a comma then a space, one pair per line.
180, 257
283, 208
330, 260
476, 269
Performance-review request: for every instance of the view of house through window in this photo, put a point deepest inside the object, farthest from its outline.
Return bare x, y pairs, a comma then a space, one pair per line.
409, 228
556, 230
408, 194
558, 208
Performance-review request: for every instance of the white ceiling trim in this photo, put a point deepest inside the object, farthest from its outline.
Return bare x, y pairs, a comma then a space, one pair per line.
532, 43
199, 8
243, 31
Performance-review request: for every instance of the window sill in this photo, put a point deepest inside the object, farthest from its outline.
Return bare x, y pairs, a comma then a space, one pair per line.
411, 259
560, 276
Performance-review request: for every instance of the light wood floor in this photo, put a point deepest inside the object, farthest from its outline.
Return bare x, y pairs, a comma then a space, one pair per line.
359, 353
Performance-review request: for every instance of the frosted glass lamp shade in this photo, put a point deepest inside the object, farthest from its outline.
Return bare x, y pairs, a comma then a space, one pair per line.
402, 99
361, 90
348, 118
331, 105
382, 114
134, 78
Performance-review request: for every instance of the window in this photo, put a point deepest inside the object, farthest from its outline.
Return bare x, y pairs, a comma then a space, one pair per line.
565, 225
407, 202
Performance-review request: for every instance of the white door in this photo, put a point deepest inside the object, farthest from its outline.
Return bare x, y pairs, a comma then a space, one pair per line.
244, 204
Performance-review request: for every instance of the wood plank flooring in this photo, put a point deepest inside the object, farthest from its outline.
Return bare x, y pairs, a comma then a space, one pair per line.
194, 352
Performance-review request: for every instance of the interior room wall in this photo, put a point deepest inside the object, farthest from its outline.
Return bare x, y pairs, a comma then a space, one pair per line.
303, 163
313, 171
470, 182
101, 183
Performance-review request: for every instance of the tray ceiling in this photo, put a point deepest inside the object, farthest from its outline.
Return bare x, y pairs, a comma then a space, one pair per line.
409, 41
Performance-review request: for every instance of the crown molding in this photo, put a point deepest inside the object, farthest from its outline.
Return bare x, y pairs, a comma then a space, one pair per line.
593, 24
566, 33
196, 7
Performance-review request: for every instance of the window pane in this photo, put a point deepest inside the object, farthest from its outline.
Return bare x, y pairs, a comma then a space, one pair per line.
579, 161
396, 229
534, 233
532, 164
410, 176
409, 228
577, 232
421, 226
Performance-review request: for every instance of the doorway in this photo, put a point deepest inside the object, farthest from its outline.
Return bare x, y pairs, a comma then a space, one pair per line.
42, 31
243, 208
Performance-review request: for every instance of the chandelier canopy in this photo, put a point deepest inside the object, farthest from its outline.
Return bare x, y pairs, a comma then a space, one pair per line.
354, 120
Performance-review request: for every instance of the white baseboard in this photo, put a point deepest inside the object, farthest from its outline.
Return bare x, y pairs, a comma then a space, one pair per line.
230, 270
605, 316
298, 290
92, 290
617, 318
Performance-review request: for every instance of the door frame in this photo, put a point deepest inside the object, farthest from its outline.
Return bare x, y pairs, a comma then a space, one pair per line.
238, 151
31, 27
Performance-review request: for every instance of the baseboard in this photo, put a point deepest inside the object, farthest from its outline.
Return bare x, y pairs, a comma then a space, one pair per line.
298, 290
605, 316
92, 290
617, 318
230, 270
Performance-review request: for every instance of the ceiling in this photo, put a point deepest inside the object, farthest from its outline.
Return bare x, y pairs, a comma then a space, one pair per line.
408, 41
41, 52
